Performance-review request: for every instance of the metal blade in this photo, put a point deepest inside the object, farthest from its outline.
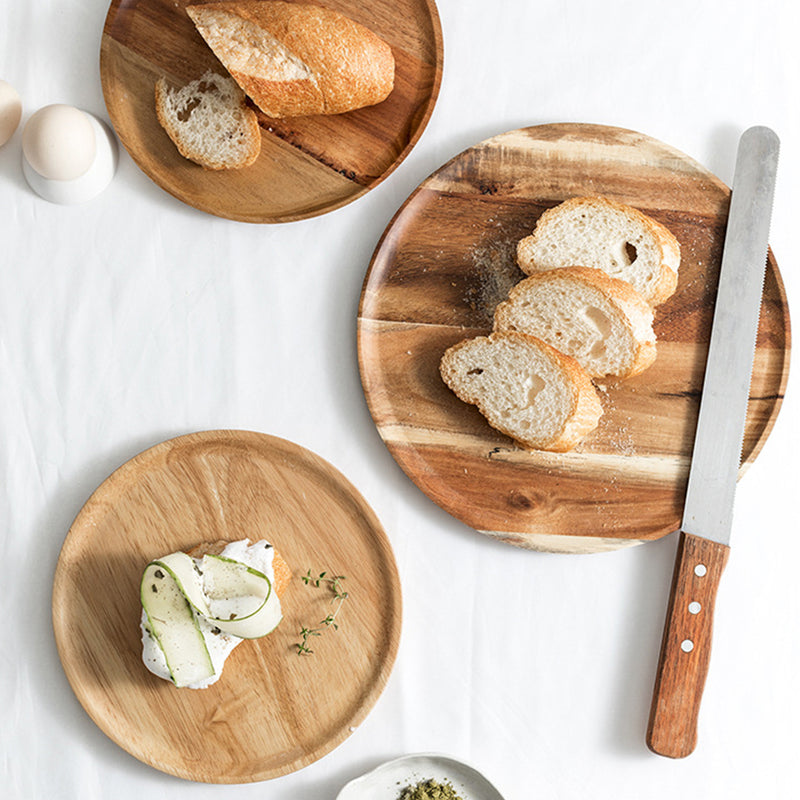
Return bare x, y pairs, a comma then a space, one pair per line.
708, 511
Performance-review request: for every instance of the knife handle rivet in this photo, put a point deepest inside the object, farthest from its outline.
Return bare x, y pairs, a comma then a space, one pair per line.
687, 645
700, 570
694, 607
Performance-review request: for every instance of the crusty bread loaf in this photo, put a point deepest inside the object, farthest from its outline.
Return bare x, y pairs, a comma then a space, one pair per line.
293, 59
525, 388
602, 322
209, 121
282, 571
598, 232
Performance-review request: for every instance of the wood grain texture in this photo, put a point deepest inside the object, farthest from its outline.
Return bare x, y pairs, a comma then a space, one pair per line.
308, 165
272, 711
686, 646
447, 259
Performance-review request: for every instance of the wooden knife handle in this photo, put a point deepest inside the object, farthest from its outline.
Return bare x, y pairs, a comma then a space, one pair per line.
686, 646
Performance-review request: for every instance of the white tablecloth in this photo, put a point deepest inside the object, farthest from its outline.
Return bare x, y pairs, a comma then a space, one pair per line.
135, 318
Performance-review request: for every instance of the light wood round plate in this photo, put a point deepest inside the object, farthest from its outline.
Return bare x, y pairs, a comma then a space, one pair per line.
447, 259
308, 165
272, 711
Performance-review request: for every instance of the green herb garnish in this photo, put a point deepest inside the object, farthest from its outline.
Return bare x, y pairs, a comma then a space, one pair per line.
339, 596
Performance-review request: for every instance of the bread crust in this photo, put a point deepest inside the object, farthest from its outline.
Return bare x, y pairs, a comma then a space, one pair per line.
282, 571
634, 313
585, 407
349, 65
666, 280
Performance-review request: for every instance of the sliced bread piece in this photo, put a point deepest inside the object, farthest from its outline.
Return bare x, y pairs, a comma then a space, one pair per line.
525, 388
602, 322
209, 121
598, 232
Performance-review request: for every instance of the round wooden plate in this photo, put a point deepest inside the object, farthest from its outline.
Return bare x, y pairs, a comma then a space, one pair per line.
308, 165
272, 711
447, 259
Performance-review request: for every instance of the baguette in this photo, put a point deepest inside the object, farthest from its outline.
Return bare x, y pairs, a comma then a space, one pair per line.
293, 59
602, 322
598, 232
524, 388
209, 121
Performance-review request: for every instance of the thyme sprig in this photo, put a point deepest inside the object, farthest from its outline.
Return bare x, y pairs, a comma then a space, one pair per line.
339, 596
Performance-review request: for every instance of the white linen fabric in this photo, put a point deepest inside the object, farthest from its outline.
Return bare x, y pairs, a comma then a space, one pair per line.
134, 318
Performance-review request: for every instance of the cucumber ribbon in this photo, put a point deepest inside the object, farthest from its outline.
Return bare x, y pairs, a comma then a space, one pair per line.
230, 596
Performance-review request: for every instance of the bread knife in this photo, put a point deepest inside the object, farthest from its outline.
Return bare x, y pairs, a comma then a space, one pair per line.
703, 544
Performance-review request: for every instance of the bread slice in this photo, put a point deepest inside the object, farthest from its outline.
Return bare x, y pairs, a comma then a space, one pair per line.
602, 322
525, 388
281, 571
598, 232
294, 59
209, 121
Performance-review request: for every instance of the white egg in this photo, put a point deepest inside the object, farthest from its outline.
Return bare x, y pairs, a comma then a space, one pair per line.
59, 142
10, 111
68, 155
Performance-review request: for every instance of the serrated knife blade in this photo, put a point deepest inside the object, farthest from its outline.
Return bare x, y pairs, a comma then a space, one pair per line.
703, 545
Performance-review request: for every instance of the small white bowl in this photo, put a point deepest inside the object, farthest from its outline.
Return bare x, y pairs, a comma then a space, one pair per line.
86, 186
388, 780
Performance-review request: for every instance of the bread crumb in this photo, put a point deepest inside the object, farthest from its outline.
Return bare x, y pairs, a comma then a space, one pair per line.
497, 272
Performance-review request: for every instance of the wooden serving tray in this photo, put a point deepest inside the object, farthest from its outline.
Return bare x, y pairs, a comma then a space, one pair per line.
308, 165
447, 259
272, 711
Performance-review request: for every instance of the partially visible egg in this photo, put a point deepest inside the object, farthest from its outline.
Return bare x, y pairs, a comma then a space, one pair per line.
59, 142
10, 111
68, 155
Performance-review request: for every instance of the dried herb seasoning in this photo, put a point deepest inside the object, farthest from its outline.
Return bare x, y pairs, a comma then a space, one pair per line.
430, 790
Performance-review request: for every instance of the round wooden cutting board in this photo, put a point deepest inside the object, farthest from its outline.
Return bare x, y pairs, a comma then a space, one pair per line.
448, 258
308, 165
273, 710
